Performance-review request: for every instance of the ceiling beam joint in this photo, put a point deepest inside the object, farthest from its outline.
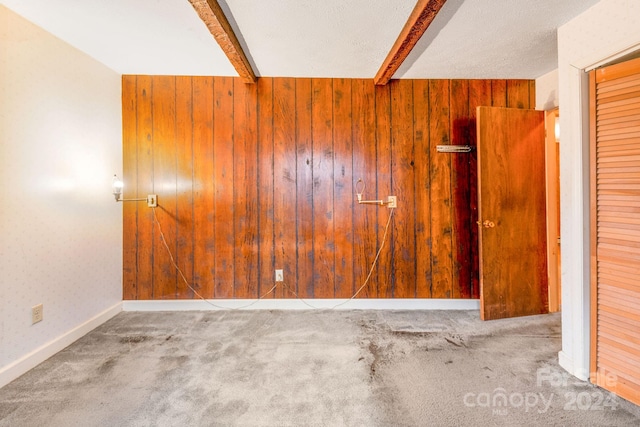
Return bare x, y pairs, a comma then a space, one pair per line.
422, 16
214, 18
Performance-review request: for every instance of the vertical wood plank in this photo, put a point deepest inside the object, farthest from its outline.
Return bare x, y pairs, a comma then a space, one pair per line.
479, 96
223, 185
304, 188
423, 187
284, 147
184, 185
461, 233
403, 181
305, 152
203, 188
245, 190
129, 177
241, 269
532, 94
441, 218
364, 167
266, 255
323, 217
383, 181
518, 93
146, 227
164, 177
343, 188
499, 93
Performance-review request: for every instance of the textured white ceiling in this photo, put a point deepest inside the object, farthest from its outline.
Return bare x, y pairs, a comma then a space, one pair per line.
319, 38
492, 39
312, 38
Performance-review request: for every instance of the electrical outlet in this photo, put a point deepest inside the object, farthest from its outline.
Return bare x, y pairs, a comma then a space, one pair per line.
392, 202
152, 201
36, 313
279, 276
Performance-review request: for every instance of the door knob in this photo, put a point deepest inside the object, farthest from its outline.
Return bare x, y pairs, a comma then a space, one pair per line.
486, 223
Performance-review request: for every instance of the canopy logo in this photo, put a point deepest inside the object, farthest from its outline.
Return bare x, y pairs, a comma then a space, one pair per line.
500, 401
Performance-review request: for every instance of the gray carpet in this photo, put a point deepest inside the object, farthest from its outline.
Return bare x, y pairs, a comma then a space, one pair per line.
320, 368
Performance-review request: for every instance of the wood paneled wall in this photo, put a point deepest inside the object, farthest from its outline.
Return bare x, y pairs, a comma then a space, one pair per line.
251, 178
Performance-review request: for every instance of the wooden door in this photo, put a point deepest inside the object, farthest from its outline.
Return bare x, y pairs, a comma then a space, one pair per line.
511, 210
552, 164
615, 228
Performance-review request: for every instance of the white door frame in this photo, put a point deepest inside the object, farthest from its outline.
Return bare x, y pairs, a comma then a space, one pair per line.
605, 32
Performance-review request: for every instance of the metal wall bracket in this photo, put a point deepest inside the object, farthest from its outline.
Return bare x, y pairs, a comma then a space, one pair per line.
454, 148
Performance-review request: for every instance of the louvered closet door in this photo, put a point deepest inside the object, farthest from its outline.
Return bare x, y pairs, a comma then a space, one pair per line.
615, 129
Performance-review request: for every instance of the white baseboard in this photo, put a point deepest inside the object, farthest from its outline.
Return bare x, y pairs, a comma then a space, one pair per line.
298, 304
39, 355
565, 362
568, 364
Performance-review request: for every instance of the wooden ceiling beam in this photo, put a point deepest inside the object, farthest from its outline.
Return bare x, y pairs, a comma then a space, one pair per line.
423, 14
212, 15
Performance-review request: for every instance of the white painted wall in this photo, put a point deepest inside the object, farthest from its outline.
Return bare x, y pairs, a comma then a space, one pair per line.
547, 91
132, 36
598, 35
61, 244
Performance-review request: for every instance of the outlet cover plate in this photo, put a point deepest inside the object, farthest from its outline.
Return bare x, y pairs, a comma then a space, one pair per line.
36, 313
279, 276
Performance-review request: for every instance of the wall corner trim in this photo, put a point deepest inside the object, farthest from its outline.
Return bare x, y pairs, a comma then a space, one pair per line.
568, 364
39, 355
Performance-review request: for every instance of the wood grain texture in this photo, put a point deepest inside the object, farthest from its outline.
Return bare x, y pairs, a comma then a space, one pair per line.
284, 187
421, 17
130, 168
343, 188
518, 94
184, 185
203, 188
252, 178
164, 179
245, 199
304, 188
383, 186
459, 125
422, 188
511, 162
499, 93
479, 96
363, 128
145, 185
441, 195
323, 216
214, 18
223, 165
266, 249
403, 187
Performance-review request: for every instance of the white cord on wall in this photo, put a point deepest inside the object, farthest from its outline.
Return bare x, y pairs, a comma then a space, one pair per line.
184, 279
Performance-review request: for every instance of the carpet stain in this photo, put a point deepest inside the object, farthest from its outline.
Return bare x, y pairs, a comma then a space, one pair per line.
452, 342
107, 366
135, 339
377, 358
410, 333
313, 368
